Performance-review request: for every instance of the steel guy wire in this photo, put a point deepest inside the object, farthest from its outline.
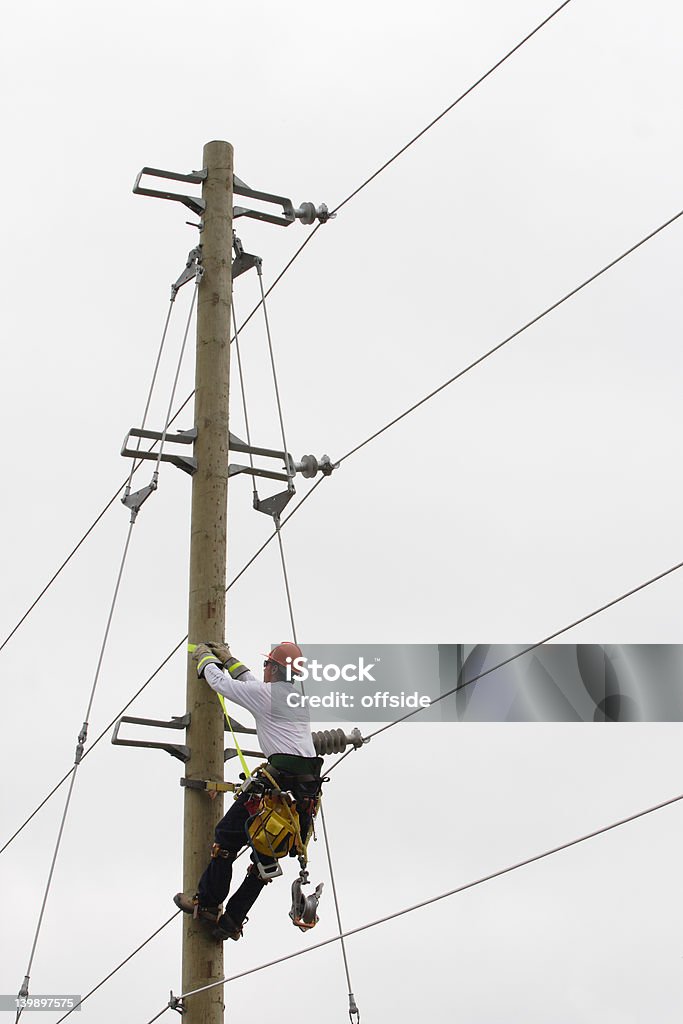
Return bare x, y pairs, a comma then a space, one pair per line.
82, 739
353, 1009
175, 379
157, 670
276, 520
135, 463
118, 968
515, 334
455, 102
244, 396
272, 363
445, 895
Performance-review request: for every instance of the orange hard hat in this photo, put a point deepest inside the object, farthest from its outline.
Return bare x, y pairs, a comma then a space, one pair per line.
285, 653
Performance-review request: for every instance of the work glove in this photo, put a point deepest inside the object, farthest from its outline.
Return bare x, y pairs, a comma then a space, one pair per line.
204, 656
221, 651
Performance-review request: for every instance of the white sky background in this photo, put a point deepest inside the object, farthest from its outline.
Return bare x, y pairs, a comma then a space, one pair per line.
541, 485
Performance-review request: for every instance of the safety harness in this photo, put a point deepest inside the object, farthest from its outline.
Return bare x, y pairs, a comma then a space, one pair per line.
273, 830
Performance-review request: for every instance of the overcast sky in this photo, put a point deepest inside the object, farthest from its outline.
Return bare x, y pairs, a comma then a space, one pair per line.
540, 486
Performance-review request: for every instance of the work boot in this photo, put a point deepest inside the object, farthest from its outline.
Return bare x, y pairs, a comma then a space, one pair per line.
191, 905
228, 929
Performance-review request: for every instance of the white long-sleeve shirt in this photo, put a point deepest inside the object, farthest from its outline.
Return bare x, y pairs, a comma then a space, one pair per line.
281, 728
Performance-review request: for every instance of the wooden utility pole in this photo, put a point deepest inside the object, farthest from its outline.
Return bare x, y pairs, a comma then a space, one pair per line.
202, 955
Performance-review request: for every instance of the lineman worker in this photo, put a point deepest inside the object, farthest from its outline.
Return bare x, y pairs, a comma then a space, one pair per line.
285, 739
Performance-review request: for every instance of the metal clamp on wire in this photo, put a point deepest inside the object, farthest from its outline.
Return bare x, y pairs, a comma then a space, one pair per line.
304, 912
176, 1003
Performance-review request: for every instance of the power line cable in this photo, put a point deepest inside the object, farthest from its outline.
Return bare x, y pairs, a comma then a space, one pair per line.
532, 647
450, 107
390, 917
118, 967
160, 1014
445, 895
515, 334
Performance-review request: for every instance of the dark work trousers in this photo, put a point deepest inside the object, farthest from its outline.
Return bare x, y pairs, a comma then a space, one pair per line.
214, 885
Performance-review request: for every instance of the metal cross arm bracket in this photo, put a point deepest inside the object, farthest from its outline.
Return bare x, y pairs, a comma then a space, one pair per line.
179, 750
237, 445
309, 465
187, 463
193, 203
307, 213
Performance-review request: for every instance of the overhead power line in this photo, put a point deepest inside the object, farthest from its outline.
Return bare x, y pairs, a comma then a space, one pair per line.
399, 913
450, 107
533, 647
118, 967
444, 895
515, 334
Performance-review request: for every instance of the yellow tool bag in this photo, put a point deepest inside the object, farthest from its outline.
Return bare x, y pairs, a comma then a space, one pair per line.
274, 829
